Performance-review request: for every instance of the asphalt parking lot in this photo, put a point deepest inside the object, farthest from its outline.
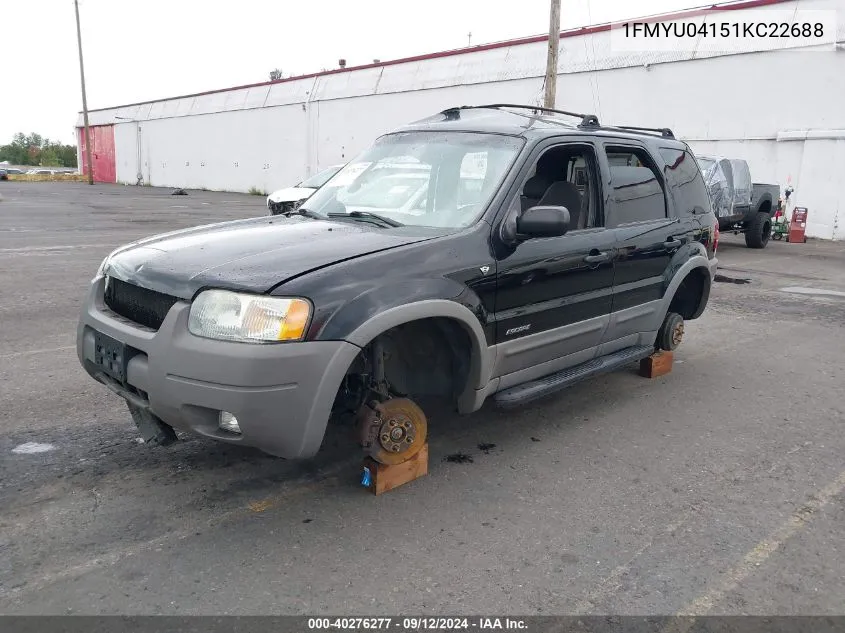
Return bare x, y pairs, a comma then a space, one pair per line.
715, 489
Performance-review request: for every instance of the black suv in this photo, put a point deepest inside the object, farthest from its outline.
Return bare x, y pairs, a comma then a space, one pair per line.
495, 251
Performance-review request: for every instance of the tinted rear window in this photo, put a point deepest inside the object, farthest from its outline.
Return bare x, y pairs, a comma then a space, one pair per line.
684, 178
637, 192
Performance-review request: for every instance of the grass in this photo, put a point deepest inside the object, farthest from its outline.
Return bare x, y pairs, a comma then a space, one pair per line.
255, 191
43, 177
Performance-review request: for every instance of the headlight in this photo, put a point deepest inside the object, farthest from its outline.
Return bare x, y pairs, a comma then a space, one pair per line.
229, 316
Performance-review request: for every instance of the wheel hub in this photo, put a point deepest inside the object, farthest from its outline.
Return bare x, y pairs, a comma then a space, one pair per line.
392, 431
397, 433
677, 333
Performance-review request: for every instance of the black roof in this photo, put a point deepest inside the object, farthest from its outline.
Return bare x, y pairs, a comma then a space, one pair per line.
529, 122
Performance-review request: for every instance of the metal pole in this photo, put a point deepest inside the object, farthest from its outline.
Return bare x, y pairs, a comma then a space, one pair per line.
140, 175
551, 61
84, 98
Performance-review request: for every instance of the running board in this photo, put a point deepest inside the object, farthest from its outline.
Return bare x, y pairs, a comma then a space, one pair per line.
535, 389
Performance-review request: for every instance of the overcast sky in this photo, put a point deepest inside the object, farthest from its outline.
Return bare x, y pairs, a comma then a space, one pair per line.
138, 50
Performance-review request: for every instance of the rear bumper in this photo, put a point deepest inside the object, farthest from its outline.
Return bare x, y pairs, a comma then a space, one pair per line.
282, 394
714, 264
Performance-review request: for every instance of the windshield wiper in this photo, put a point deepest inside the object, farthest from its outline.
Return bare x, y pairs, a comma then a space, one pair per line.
366, 215
308, 213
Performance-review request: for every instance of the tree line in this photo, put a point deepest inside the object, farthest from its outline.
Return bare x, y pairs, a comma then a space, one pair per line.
38, 151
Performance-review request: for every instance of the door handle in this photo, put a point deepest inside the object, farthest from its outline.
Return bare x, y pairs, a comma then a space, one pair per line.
672, 243
597, 258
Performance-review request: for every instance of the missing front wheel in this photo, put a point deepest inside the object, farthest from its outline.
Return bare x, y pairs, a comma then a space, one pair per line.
393, 431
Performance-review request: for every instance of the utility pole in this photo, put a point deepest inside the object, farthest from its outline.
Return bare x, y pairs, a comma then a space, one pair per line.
84, 98
551, 61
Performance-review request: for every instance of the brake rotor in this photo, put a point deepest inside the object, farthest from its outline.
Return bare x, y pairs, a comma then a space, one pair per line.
392, 431
678, 333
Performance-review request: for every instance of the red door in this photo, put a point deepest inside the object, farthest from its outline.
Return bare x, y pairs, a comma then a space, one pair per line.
102, 153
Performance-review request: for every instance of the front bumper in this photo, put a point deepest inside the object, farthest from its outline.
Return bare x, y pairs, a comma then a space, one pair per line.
281, 393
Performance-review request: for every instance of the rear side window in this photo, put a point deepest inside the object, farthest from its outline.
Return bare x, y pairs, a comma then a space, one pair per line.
683, 176
638, 194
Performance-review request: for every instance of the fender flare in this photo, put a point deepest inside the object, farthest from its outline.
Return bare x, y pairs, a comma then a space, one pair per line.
481, 356
693, 263
766, 197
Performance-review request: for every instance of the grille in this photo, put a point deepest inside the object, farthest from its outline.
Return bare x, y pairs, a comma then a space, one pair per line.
283, 208
137, 304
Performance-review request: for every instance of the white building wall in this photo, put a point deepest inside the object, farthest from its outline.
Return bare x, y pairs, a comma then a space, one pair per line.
126, 152
233, 151
780, 110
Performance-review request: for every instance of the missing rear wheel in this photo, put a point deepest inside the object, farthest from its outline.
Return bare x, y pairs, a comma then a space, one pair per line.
671, 332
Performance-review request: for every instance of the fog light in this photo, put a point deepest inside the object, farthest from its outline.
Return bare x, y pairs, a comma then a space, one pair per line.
229, 422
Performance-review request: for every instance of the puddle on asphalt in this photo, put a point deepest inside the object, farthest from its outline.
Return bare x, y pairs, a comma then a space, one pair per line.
731, 280
821, 292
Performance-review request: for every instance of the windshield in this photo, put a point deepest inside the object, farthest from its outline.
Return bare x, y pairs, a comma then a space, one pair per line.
320, 178
437, 179
393, 191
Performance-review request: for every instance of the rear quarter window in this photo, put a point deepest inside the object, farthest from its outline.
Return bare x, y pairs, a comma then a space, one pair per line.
683, 176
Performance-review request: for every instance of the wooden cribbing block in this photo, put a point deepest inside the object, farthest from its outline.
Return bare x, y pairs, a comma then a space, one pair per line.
386, 477
658, 364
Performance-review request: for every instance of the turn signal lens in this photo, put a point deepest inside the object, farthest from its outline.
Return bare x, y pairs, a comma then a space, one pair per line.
295, 322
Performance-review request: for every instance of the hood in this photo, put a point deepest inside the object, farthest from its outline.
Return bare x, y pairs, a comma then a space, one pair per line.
250, 255
291, 194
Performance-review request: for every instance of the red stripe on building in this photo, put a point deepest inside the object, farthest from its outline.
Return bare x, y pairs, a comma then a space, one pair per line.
102, 152
584, 30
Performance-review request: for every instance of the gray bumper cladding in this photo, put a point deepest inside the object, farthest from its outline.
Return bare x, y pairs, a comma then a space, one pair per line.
281, 393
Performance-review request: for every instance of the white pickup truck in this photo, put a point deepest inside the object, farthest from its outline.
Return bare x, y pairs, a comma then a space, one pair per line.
740, 205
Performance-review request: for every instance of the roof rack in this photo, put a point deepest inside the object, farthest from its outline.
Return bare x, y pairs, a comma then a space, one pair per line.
587, 120
665, 132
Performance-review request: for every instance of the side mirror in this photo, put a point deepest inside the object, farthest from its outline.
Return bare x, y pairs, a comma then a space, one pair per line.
543, 222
